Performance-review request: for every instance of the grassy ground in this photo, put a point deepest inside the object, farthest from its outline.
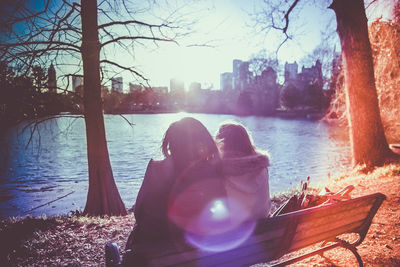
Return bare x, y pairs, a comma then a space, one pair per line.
77, 240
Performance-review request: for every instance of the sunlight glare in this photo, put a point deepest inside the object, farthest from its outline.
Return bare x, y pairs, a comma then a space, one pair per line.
218, 210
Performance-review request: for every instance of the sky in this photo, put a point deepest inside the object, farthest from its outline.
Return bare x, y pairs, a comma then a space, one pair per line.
229, 33
228, 26
231, 30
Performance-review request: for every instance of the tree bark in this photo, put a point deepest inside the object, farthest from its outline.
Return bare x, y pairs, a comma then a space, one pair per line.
103, 197
369, 145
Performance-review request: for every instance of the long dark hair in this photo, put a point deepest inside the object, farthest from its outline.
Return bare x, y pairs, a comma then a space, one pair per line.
187, 141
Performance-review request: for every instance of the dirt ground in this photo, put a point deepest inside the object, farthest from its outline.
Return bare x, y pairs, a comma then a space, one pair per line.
77, 240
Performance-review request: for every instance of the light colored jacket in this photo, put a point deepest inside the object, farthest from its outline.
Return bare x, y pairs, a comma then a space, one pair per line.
246, 184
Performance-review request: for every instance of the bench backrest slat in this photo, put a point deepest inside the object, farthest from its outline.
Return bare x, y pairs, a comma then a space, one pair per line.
309, 232
323, 236
308, 222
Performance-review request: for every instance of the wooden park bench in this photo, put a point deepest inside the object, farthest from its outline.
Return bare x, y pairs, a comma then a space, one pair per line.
321, 228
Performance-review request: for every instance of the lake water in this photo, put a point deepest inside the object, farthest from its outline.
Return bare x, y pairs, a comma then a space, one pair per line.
54, 164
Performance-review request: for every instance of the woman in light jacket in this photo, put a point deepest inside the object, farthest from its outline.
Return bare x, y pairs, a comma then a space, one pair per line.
246, 172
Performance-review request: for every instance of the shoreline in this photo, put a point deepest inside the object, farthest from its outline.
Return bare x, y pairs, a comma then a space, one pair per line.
79, 240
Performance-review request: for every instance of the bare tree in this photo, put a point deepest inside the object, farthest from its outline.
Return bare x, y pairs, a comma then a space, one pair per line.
262, 60
367, 136
69, 33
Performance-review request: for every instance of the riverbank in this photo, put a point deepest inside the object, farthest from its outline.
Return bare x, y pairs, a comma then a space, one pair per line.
77, 240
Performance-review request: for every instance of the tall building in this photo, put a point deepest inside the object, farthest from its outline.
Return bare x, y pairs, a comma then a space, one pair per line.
116, 84
177, 92
226, 80
195, 86
235, 74
244, 73
291, 70
308, 75
267, 79
314, 72
135, 87
176, 85
77, 84
160, 89
241, 75
52, 79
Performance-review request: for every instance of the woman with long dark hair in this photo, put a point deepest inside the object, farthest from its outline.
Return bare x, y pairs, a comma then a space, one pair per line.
163, 208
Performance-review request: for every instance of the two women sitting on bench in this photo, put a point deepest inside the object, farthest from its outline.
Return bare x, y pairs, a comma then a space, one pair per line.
198, 192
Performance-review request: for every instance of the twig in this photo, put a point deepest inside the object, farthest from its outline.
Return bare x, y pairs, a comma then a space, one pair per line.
49, 202
128, 121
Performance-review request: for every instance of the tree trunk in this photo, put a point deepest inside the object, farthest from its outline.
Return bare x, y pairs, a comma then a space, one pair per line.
367, 136
103, 196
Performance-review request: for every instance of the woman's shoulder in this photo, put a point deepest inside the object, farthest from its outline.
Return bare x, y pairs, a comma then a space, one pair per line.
163, 164
159, 162
263, 156
254, 160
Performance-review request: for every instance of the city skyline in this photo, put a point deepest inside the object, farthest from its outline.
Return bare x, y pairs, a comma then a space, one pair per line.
227, 26
117, 83
221, 34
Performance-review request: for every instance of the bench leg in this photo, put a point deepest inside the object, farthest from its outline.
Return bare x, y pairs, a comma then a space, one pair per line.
339, 243
305, 256
353, 249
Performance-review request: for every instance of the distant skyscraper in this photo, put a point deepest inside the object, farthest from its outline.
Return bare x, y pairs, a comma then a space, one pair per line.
135, 87
176, 85
52, 79
268, 77
291, 70
226, 81
244, 73
77, 80
116, 84
195, 86
235, 78
236, 66
241, 74
313, 72
160, 89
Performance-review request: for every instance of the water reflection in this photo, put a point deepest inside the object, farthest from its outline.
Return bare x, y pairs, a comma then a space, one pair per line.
54, 163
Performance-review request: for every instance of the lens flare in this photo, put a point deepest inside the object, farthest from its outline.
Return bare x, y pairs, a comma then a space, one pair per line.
222, 229
224, 241
219, 226
209, 220
219, 210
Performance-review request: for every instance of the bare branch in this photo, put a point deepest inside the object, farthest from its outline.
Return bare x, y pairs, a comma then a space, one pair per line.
152, 38
113, 23
287, 15
280, 45
130, 69
67, 45
201, 45
130, 123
